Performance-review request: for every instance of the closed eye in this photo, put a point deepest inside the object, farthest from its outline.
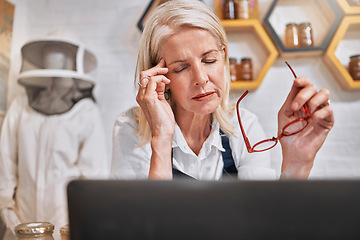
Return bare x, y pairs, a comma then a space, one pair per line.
209, 60
180, 69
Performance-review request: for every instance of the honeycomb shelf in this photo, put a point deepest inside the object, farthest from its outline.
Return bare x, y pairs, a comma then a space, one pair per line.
249, 38
324, 16
349, 6
346, 42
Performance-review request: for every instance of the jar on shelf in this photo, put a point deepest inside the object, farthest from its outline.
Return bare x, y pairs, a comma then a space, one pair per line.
229, 9
64, 232
291, 35
35, 231
244, 70
233, 70
354, 67
305, 34
242, 9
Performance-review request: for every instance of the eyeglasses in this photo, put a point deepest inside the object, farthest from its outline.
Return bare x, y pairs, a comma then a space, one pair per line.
291, 128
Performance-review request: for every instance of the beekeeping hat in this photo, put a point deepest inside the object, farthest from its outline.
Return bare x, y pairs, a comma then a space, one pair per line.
60, 59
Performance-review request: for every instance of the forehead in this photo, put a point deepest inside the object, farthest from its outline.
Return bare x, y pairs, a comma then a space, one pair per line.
187, 41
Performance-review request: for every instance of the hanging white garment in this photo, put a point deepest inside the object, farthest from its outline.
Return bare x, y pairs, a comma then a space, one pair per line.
40, 154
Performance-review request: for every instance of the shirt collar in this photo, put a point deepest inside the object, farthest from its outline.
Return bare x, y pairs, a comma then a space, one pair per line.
214, 139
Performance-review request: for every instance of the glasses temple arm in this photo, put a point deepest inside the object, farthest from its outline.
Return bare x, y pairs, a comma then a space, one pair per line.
246, 140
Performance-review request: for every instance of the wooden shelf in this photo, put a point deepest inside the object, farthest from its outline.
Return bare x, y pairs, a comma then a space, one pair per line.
324, 16
249, 38
349, 7
337, 55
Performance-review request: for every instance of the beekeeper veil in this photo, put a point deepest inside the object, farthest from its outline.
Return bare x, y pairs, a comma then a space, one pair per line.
56, 74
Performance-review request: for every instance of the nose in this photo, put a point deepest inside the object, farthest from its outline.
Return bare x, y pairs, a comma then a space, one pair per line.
200, 76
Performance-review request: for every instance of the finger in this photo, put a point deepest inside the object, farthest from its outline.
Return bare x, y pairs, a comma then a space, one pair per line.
159, 69
296, 87
156, 85
306, 91
319, 100
324, 117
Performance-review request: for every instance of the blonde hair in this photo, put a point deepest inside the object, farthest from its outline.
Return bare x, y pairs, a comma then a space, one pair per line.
166, 20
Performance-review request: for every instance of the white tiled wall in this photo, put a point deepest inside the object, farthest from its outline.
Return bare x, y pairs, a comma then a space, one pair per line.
109, 28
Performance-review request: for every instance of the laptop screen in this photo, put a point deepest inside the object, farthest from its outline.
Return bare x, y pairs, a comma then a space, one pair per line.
188, 209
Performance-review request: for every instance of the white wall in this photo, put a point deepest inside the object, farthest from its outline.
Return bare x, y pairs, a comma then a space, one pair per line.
109, 28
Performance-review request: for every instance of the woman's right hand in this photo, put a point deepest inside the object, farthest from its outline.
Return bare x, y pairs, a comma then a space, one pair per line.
160, 117
152, 101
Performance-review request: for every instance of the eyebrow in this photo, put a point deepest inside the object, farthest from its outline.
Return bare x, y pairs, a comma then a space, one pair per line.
202, 55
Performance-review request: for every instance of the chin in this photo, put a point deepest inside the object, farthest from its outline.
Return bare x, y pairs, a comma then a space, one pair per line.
207, 108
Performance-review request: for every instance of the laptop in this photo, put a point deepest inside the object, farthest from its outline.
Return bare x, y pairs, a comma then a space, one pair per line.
233, 209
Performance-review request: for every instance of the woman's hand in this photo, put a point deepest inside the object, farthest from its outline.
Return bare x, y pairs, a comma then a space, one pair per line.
160, 117
299, 150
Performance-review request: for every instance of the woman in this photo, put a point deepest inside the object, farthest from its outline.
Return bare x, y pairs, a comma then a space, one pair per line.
183, 80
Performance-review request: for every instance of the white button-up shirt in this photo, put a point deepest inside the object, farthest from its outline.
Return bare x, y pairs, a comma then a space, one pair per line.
129, 161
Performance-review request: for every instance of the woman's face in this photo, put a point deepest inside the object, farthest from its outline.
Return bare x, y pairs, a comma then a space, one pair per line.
196, 71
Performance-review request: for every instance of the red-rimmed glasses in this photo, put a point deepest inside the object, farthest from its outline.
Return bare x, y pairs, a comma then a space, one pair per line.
289, 129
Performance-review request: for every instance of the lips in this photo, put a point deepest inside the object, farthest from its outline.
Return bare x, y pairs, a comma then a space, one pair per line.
203, 96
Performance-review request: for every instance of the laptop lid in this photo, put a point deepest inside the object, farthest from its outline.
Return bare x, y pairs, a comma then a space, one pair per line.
187, 209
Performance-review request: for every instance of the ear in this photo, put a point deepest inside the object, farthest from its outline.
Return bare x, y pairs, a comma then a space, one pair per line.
224, 51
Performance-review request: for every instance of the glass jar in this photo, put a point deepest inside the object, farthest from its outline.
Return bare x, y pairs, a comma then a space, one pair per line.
229, 9
232, 66
244, 70
64, 232
354, 67
305, 34
291, 35
242, 9
35, 231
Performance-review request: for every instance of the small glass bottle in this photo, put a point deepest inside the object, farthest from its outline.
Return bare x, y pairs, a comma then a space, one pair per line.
233, 70
244, 71
242, 9
64, 232
291, 35
229, 9
354, 67
305, 34
35, 231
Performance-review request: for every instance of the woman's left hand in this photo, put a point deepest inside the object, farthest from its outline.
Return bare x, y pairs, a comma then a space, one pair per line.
299, 150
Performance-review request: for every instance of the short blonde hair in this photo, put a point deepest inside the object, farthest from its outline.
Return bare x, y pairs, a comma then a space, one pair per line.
166, 20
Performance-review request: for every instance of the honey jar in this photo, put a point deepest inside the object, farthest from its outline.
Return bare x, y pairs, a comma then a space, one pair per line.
242, 9
354, 67
305, 34
35, 231
233, 69
64, 232
244, 70
291, 35
229, 9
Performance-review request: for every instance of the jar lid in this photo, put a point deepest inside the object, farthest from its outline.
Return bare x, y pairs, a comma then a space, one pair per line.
355, 56
246, 59
232, 59
305, 24
34, 228
291, 24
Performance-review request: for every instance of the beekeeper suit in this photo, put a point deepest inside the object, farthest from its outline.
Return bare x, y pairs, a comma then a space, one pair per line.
50, 136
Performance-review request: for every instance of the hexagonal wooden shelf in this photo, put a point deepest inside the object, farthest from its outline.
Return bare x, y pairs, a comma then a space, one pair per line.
324, 16
151, 7
349, 6
346, 42
248, 38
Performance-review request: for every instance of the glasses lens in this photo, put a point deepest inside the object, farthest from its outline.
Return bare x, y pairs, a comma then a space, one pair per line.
264, 145
295, 127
